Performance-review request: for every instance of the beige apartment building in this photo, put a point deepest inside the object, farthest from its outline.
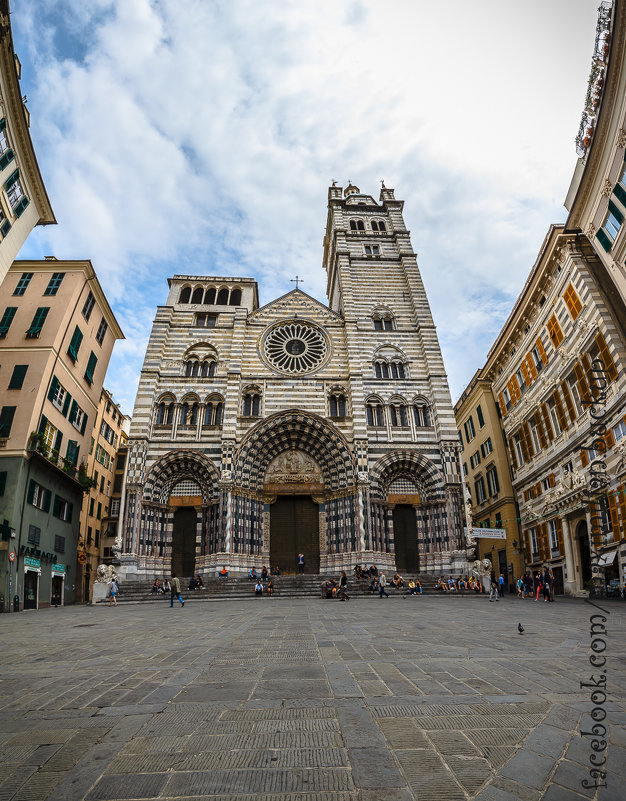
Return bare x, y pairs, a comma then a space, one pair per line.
57, 332
560, 337
487, 479
96, 512
24, 202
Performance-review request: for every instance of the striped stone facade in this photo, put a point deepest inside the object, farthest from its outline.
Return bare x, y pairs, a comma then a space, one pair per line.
346, 404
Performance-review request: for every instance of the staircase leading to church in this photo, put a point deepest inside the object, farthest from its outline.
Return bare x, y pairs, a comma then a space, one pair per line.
286, 586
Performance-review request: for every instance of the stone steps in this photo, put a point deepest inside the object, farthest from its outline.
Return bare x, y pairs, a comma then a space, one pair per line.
240, 588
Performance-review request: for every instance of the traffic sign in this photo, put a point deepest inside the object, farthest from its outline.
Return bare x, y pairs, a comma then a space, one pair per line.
12, 556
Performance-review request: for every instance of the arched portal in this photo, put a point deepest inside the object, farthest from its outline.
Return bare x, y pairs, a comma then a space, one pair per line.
299, 478
180, 518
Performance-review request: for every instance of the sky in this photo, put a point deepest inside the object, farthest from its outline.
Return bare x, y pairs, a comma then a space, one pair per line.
201, 136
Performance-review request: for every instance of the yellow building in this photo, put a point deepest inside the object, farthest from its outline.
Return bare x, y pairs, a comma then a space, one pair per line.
487, 478
24, 202
107, 438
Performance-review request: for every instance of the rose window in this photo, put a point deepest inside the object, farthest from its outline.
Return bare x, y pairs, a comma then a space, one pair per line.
295, 348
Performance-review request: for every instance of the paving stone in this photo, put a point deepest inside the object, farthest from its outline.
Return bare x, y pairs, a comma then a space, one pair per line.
452, 743
39, 786
292, 689
146, 785
470, 773
529, 768
224, 691
374, 767
279, 713
255, 781
358, 727
403, 733
269, 759
548, 741
557, 793
519, 791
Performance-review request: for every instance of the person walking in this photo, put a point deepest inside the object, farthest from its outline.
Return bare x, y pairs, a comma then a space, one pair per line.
493, 587
300, 562
115, 588
382, 583
343, 587
175, 590
501, 585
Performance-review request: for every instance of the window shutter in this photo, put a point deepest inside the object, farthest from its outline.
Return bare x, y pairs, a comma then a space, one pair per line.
12, 179
560, 413
43, 424
568, 401
19, 209
47, 496
56, 509
3, 123
73, 411
531, 366
528, 549
91, 366
620, 194
6, 159
621, 499
74, 345
583, 388
58, 440
609, 439
616, 212
513, 396
53, 387
524, 370
31, 491
529, 441
547, 421
606, 357
501, 402
542, 351
84, 424
540, 432
18, 376
584, 459
66, 404
613, 511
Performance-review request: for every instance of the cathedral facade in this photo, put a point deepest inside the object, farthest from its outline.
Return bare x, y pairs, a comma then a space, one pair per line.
262, 432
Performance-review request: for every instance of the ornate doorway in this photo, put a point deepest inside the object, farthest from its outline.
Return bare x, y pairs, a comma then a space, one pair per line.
184, 542
405, 538
294, 529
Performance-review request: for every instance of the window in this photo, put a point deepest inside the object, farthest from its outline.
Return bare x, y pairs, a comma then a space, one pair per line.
91, 366
474, 460
337, 404
486, 447
372, 250
397, 370
619, 431
492, 481
213, 413
18, 375
37, 323
553, 538
71, 454
534, 547
375, 415
89, 535
58, 396
185, 294
517, 445
498, 520
470, 431
101, 332
613, 221
99, 511
572, 301
464, 468
251, 404
479, 489
165, 414
49, 433
14, 191
34, 535
521, 381
479, 414
397, 415
383, 324
7, 319
381, 370
4, 142
114, 511
554, 331
357, 225
62, 509
92, 503
235, 298
6, 420
74, 346
421, 415
39, 496
378, 225
88, 306
206, 320
534, 434
59, 544
197, 295
77, 417
54, 283
23, 283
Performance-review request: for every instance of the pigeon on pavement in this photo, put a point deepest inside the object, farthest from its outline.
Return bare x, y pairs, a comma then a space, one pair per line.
520, 628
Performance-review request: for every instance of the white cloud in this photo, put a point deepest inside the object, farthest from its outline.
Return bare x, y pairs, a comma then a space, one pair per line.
201, 137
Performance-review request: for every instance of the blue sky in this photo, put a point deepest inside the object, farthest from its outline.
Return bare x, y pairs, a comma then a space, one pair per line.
201, 136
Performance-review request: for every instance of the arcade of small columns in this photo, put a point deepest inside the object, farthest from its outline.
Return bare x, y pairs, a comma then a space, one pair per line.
234, 510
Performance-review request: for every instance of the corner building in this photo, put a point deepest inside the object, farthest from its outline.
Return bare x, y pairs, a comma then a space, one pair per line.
258, 433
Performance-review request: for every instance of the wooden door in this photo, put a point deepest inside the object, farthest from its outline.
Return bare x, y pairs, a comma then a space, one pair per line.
405, 539
294, 529
184, 542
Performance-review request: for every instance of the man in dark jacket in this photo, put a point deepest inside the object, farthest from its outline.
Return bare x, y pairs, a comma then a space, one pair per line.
175, 590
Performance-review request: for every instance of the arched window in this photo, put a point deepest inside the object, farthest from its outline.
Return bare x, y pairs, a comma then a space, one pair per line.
382, 321
397, 370
222, 297
360, 225
209, 298
378, 225
213, 412
197, 295
397, 415
251, 404
235, 298
353, 225
375, 414
421, 415
185, 293
188, 368
193, 414
337, 404
160, 414
381, 369
184, 414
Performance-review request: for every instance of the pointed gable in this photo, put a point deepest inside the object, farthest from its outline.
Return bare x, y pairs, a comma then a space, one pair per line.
295, 304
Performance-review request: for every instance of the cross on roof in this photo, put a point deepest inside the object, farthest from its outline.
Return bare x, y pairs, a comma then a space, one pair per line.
297, 280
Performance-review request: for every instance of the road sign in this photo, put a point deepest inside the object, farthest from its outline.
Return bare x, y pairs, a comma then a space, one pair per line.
489, 533
12, 556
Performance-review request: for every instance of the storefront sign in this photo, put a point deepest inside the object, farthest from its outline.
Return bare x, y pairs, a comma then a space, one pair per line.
40, 555
489, 533
30, 562
58, 568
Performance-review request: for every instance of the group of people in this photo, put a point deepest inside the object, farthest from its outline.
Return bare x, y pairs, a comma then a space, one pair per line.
195, 583
161, 586
331, 590
542, 583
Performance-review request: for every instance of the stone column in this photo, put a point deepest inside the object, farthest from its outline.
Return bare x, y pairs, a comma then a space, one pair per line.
571, 583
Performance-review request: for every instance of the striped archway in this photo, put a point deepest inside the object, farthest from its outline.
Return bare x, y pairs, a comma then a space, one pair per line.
411, 464
176, 466
294, 429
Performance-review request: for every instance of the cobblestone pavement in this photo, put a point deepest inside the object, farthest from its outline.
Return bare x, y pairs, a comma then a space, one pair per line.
295, 700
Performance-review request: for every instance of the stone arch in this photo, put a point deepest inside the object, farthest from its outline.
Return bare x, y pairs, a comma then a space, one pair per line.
295, 429
411, 464
176, 466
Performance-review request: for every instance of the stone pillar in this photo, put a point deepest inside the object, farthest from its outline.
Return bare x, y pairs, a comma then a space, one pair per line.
570, 585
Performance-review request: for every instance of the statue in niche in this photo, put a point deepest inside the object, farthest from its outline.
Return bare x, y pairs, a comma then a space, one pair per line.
293, 466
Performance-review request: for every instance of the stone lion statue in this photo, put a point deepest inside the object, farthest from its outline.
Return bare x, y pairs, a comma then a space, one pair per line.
481, 570
105, 573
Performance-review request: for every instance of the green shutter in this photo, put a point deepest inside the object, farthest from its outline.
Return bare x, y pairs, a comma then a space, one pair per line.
73, 411
6, 159
56, 509
91, 366
66, 404
74, 346
53, 387
37, 323
17, 378
620, 194
31, 490
43, 424
57, 441
3, 123
614, 210
84, 425
6, 420
604, 240
3, 482
19, 209
47, 495
7, 319
12, 179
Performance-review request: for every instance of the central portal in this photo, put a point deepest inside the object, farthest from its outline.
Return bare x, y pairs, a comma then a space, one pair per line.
294, 529
184, 542
405, 538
